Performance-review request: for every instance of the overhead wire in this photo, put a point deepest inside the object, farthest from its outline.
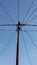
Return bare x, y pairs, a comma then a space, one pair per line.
7, 12
32, 25
18, 10
29, 30
7, 44
26, 49
7, 30
32, 19
32, 40
31, 15
28, 10
8, 24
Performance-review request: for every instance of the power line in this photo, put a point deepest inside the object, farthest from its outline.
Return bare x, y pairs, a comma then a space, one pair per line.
6, 30
32, 18
32, 25
18, 10
31, 15
31, 39
26, 49
28, 10
8, 24
7, 43
7, 12
29, 30
18, 29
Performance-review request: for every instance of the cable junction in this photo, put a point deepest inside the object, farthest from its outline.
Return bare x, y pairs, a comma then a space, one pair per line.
19, 26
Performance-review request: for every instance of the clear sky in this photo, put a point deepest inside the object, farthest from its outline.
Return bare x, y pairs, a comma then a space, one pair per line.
8, 39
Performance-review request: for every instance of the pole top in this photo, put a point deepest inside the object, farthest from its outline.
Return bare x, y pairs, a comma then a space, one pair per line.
19, 25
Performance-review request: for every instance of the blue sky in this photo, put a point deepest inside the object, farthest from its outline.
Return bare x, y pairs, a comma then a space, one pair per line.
8, 56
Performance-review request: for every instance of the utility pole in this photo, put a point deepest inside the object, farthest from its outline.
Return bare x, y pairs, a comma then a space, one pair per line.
17, 49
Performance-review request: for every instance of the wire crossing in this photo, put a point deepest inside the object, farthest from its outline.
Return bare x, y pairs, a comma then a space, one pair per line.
28, 10
7, 12
31, 15
32, 19
7, 44
19, 26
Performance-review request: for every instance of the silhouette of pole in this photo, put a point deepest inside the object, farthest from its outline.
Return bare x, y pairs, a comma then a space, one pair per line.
17, 51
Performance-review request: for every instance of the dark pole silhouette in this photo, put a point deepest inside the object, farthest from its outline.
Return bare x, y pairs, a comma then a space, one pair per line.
17, 51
